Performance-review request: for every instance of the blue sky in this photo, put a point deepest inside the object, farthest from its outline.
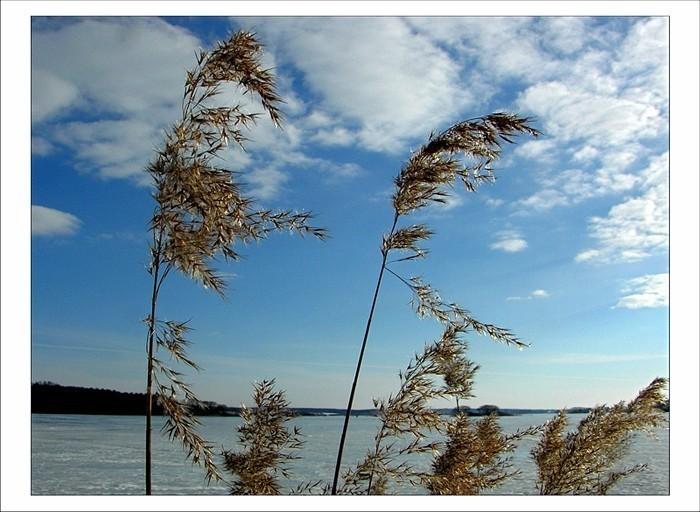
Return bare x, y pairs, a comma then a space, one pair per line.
569, 248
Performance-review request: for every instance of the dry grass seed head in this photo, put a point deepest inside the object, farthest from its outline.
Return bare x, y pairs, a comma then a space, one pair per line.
440, 371
582, 461
268, 444
476, 456
435, 165
201, 212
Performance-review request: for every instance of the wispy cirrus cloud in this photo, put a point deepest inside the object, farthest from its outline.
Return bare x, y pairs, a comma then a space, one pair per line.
573, 186
648, 291
587, 358
51, 222
534, 294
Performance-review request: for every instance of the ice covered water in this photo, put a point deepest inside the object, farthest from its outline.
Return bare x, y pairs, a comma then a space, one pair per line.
94, 455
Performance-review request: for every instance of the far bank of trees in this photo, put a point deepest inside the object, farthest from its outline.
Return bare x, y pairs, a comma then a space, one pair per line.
51, 398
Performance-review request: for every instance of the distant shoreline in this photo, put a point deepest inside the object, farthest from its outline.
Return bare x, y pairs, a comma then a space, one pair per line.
51, 398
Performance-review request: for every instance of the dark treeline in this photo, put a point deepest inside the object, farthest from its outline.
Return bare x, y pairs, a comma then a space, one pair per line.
50, 398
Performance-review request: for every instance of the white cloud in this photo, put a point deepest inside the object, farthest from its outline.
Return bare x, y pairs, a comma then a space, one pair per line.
503, 47
590, 88
336, 136
385, 97
50, 94
590, 104
588, 255
542, 200
509, 241
565, 34
493, 202
145, 73
452, 201
637, 227
535, 294
572, 113
266, 183
510, 245
643, 61
648, 291
129, 70
115, 149
41, 146
606, 98
586, 153
129, 73
51, 222
539, 149
574, 186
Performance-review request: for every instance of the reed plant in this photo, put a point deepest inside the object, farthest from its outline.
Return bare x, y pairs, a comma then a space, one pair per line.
464, 152
471, 455
200, 215
440, 371
268, 444
475, 456
586, 460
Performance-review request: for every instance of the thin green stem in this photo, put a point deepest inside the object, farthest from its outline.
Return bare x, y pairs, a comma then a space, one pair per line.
348, 411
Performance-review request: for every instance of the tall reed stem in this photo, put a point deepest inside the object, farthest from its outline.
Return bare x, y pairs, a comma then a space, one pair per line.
149, 377
348, 411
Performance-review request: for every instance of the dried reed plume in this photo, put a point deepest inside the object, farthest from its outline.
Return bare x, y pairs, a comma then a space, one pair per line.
268, 444
425, 179
200, 214
440, 371
583, 461
475, 456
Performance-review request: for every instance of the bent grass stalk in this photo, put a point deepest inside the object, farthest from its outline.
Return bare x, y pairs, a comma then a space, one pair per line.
200, 214
422, 181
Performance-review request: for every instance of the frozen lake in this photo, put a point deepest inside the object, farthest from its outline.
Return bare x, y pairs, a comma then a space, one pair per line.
99, 455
